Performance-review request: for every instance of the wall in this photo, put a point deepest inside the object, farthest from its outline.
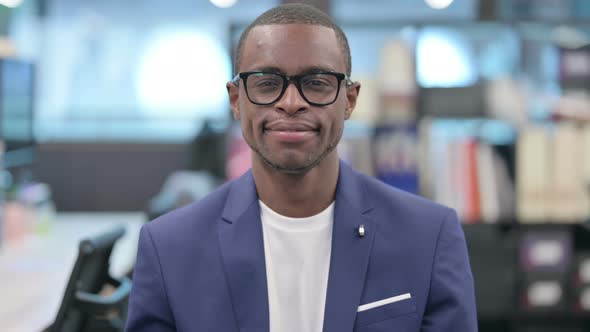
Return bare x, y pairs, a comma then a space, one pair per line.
107, 177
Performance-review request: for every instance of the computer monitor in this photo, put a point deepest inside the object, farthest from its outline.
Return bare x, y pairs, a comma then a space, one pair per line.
17, 96
453, 102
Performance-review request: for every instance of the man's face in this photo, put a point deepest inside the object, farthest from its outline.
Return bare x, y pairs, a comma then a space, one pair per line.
290, 135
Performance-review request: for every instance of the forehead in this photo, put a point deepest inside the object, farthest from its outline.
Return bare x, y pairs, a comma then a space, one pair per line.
292, 48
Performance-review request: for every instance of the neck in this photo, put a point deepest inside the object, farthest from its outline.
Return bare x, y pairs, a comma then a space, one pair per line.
297, 195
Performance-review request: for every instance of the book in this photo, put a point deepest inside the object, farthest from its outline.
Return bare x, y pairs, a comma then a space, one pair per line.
488, 184
396, 156
585, 137
567, 201
471, 189
367, 106
533, 174
398, 83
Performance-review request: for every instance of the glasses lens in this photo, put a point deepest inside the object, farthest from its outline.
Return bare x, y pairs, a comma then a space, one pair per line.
264, 88
320, 88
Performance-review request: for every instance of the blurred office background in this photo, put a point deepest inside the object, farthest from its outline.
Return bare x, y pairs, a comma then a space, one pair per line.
116, 112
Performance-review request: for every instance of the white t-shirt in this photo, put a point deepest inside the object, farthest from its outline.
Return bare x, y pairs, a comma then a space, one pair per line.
297, 255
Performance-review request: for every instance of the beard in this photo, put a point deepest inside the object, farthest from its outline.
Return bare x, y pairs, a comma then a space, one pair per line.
312, 160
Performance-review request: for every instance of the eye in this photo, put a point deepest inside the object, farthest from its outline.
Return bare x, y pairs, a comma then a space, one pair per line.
319, 83
315, 82
267, 83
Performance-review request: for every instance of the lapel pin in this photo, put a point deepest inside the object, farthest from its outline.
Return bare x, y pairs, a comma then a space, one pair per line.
361, 230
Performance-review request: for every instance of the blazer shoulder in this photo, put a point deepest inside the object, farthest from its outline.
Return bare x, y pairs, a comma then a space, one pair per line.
198, 215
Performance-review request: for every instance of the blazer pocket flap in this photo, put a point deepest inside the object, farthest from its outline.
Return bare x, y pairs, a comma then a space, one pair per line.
385, 309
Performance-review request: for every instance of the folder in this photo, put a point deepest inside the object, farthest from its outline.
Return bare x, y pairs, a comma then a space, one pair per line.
367, 107
568, 194
398, 83
488, 190
533, 174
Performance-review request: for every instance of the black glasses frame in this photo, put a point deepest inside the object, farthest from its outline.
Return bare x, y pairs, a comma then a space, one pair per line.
296, 79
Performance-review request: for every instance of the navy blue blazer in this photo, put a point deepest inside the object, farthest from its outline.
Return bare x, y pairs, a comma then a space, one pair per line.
202, 267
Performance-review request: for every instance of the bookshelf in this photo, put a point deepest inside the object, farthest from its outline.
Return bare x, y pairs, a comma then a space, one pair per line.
457, 132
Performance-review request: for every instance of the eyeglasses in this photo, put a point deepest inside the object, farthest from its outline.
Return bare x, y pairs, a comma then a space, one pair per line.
318, 88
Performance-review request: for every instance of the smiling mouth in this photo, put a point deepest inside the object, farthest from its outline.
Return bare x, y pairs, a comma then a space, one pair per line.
290, 132
289, 127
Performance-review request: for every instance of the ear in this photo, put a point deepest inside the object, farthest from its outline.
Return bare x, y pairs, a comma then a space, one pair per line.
352, 93
233, 91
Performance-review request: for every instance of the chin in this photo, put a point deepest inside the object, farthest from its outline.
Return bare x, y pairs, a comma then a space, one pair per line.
292, 169
287, 165
289, 161
292, 165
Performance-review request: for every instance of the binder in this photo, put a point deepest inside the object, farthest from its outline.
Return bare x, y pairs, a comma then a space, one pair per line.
488, 184
398, 83
568, 194
472, 190
585, 181
367, 104
533, 174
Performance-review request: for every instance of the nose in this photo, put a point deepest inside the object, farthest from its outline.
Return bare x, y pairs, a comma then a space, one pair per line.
292, 101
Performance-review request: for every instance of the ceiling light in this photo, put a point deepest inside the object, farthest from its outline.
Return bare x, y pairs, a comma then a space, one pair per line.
439, 4
223, 3
11, 3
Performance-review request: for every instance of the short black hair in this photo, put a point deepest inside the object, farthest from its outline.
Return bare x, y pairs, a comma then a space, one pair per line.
296, 13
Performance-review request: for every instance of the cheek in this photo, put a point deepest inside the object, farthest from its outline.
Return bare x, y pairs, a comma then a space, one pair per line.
248, 119
338, 117
339, 124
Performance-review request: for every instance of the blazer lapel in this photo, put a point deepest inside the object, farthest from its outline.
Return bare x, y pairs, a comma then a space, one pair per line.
350, 252
242, 248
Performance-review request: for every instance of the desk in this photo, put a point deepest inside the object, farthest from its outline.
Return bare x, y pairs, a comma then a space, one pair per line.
34, 272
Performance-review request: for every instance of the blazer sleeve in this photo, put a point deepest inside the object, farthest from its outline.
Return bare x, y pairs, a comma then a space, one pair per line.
149, 309
451, 300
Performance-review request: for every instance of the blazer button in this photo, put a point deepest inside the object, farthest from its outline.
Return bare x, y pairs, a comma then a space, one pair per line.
361, 230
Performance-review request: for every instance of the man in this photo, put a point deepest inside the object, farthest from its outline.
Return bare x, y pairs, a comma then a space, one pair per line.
301, 242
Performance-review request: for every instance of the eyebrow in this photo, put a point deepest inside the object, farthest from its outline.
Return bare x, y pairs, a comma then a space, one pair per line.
307, 70
274, 70
315, 69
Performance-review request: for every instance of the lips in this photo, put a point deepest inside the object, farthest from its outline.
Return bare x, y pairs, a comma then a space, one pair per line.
289, 126
290, 132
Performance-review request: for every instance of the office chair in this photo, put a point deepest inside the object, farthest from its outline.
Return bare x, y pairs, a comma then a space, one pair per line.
83, 308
